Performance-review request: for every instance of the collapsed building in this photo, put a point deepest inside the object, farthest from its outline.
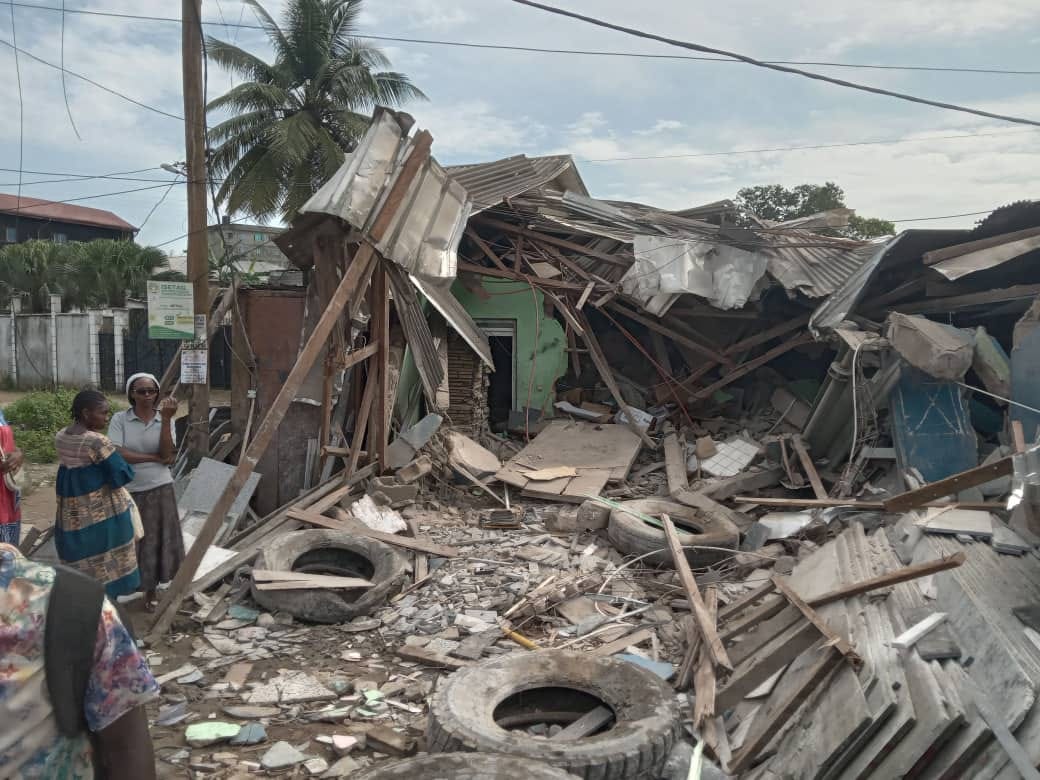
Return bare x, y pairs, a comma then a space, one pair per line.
518, 475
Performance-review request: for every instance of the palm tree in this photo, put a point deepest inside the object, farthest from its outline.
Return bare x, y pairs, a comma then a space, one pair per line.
106, 271
294, 119
36, 268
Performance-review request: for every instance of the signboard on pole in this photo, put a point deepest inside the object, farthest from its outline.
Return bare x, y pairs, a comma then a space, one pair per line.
171, 311
194, 366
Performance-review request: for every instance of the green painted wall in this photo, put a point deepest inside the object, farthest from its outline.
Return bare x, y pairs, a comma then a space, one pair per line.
540, 339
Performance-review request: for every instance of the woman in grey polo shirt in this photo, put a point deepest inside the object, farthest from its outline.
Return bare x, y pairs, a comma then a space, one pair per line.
145, 437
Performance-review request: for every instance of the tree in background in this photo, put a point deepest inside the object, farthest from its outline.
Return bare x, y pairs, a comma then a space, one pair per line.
94, 274
780, 204
294, 119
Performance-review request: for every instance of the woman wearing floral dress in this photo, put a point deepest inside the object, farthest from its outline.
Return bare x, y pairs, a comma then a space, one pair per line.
94, 532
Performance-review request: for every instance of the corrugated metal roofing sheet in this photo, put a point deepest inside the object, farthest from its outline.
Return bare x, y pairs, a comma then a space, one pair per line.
817, 271
490, 183
36, 208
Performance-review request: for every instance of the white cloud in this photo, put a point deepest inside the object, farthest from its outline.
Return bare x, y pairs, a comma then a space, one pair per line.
473, 130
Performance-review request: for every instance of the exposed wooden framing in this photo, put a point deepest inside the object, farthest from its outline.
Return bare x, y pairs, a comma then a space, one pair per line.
949, 486
572, 350
355, 278
1018, 436
704, 678
346, 523
763, 733
939, 305
484, 247
585, 295
565, 310
809, 467
379, 327
688, 665
358, 355
856, 503
368, 398
677, 337
661, 352
746, 368
556, 284
349, 290
575, 267
326, 414
905, 574
552, 240
746, 600
834, 640
705, 621
477, 483
603, 366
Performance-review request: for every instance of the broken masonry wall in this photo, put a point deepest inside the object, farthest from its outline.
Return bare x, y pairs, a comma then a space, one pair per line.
540, 346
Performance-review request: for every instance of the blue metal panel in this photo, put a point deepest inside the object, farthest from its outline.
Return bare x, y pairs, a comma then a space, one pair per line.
931, 427
1025, 381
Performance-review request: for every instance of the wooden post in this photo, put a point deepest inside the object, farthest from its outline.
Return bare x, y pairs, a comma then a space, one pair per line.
379, 328
198, 251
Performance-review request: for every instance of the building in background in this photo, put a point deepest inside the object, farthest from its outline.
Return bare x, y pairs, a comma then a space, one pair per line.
248, 244
25, 219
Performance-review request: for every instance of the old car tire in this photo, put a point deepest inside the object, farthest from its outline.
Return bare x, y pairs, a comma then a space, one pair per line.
329, 552
646, 726
465, 766
632, 536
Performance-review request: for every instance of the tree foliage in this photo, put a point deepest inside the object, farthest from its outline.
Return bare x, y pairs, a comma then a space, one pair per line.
780, 204
292, 120
95, 274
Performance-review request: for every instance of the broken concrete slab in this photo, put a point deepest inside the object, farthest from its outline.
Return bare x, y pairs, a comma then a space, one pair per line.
289, 688
250, 734
941, 351
992, 364
1006, 541
970, 522
282, 755
471, 456
207, 482
418, 468
210, 732
406, 446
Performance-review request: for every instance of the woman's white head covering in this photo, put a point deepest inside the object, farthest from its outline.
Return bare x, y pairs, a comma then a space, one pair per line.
142, 375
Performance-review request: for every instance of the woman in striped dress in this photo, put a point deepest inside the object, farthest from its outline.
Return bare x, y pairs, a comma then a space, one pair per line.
94, 532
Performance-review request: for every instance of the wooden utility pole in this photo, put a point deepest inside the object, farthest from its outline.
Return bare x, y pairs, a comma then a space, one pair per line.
198, 249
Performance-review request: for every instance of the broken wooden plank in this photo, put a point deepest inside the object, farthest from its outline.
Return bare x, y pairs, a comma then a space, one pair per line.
352, 525
704, 681
675, 465
809, 467
744, 623
603, 367
620, 644
430, 658
345, 583
508, 227
855, 503
834, 640
918, 631
267, 577
744, 369
746, 600
938, 644
705, 622
905, 574
589, 723
678, 338
746, 481
777, 653
768, 723
950, 486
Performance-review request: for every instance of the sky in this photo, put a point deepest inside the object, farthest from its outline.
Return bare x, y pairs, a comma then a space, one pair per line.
488, 104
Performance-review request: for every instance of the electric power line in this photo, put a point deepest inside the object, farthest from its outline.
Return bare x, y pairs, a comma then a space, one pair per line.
809, 147
21, 121
117, 93
781, 68
540, 50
